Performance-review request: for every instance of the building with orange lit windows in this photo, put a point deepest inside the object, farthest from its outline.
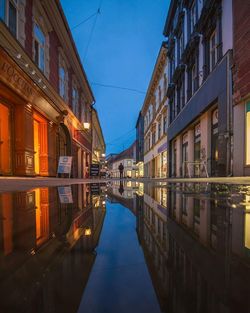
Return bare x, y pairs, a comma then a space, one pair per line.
45, 98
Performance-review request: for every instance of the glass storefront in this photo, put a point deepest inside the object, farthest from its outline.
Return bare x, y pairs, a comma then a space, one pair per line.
214, 141
184, 154
197, 149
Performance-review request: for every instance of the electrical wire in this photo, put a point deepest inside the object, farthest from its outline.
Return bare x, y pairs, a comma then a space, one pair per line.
92, 30
88, 18
118, 87
118, 138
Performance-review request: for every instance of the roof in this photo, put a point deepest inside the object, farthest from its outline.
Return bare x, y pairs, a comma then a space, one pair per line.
125, 154
161, 56
171, 12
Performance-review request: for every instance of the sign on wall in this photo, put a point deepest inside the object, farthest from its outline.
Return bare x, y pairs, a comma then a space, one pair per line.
94, 169
64, 165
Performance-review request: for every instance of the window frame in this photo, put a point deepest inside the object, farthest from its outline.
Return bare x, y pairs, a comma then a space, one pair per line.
213, 51
40, 47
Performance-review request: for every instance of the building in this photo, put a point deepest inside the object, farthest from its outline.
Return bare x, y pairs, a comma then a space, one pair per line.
98, 143
241, 94
127, 158
45, 97
154, 112
140, 145
199, 43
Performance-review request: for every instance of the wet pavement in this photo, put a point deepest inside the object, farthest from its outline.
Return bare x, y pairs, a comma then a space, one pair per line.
125, 247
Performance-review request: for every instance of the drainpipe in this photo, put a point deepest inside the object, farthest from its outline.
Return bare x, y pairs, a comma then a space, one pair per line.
230, 115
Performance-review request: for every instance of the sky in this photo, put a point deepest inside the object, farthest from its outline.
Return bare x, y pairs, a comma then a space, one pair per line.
118, 47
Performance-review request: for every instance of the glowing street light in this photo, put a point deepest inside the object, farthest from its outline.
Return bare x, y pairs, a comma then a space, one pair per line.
87, 231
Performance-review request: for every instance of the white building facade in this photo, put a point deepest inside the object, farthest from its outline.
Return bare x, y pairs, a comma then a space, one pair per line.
199, 36
154, 111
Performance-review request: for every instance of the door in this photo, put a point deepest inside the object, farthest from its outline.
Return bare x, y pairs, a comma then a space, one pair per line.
5, 156
36, 147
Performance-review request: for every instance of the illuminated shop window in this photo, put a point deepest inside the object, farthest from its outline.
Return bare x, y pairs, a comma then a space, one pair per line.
247, 230
248, 133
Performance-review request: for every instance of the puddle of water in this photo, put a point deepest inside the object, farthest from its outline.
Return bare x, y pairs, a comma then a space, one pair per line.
125, 247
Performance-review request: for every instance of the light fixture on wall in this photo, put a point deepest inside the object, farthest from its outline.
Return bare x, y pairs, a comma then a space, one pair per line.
86, 125
87, 231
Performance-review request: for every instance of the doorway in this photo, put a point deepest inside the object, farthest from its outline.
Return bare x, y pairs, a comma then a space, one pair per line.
5, 143
36, 126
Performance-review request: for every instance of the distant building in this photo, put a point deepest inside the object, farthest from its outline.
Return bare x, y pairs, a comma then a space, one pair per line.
241, 75
128, 160
98, 143
199, 36
140, 145
154, 112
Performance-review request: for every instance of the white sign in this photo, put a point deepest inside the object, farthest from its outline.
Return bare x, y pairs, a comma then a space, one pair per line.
64, 165
65, 194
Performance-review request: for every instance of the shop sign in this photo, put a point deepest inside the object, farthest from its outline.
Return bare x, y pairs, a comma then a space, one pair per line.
9, 74
64, 165
65, 194
94, 169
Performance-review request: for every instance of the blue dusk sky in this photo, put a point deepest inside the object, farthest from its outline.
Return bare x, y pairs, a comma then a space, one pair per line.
118, 47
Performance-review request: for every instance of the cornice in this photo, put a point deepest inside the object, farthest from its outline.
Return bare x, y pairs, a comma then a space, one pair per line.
159, 67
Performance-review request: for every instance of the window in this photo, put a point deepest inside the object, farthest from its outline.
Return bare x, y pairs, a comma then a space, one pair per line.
212, 48
193, 79
2, 9
129, 163
159, 129
197, 149
159, 88
181, 46
165, 83
62, 83
165, 124
75, 100
12, 17
39, 47
182, 93
8, 13
193, 17
248, 133
153, 138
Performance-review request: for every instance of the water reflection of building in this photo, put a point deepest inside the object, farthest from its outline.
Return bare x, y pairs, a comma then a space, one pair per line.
152, 234
197, 252
124, 192
44, 245
207, 251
